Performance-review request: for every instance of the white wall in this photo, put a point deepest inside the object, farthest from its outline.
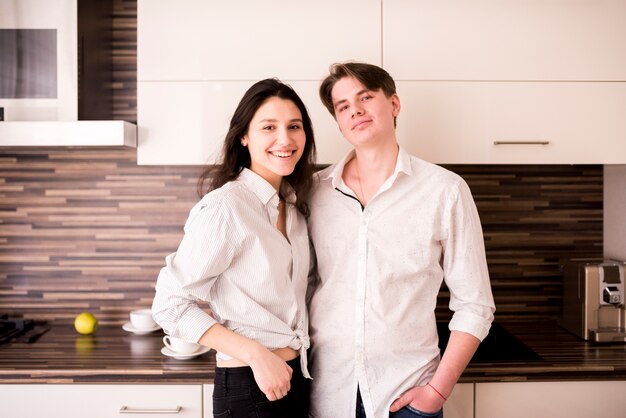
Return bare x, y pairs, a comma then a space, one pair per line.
615, 211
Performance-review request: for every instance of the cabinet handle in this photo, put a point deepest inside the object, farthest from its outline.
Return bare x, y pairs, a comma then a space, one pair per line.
127, 410
521, 142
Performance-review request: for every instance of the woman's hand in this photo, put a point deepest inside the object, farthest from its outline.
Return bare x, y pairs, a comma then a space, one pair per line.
272, 374
422, 398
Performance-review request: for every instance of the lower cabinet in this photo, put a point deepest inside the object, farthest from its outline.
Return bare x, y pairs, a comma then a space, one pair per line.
100, 401
460, 403
207, 391
551, 399
480, 400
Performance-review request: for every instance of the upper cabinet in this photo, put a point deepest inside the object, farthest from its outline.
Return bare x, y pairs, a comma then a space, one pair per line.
196, 59
252, 40
513, 122
505, 40
480, 81
509, 81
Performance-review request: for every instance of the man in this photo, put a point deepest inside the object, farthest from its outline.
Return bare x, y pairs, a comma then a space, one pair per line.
387, 229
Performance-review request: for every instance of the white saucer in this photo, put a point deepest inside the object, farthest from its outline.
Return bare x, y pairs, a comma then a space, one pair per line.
139, 331
166, 351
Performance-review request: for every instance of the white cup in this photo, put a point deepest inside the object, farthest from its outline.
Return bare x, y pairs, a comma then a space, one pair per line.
142, 319
180, 346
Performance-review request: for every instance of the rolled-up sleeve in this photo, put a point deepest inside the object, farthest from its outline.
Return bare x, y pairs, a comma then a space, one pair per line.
205, 251
465, 267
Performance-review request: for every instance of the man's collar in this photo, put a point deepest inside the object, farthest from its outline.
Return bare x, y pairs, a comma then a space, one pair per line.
403, 164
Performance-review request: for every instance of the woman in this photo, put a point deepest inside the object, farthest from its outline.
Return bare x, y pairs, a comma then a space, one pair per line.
245, 252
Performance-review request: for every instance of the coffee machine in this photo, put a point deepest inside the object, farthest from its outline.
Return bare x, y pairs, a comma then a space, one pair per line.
593, 300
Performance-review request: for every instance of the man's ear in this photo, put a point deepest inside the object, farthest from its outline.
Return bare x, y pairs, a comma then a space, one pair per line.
395, 103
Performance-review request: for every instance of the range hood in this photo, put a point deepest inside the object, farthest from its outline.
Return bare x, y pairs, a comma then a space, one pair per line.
101, 133
56, 68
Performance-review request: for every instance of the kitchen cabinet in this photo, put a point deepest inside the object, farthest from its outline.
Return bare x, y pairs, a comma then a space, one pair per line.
192, 75
250, 40
513, 123
480, 82
551, 399
207, 395
505, 40
509, 82
460, 403
100, 401
184, 123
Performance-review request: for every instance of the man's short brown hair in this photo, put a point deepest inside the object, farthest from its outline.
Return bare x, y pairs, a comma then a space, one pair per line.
371, 76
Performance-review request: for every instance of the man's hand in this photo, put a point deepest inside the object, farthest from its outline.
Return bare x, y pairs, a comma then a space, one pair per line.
422, 398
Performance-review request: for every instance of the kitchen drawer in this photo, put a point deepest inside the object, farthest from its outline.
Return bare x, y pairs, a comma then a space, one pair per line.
100, 401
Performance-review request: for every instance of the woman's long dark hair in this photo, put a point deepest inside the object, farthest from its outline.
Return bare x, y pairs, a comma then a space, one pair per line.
235, 156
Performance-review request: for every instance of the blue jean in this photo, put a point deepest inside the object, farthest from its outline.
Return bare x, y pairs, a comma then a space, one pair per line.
406, 412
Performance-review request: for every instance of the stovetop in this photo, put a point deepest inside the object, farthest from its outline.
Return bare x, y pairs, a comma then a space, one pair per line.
21, 330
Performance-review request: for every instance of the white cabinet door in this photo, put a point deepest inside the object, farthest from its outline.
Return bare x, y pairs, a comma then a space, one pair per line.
461, 122
551, 399
250, 40
100, 401
460, 403
505, 39
186, 122
197, 58
207, 391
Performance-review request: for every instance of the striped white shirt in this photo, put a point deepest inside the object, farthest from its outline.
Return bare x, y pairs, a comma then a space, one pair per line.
380, 269
233, 257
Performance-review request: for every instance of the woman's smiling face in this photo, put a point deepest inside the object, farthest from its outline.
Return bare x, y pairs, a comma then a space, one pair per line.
275, 139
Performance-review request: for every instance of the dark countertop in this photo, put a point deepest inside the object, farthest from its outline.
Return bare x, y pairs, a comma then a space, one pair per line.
564, 356
112, 355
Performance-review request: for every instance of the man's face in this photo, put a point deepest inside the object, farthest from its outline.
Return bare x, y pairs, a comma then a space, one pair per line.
364, 115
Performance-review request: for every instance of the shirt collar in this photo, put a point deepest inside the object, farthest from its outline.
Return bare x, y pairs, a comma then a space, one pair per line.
262, 189
403, 165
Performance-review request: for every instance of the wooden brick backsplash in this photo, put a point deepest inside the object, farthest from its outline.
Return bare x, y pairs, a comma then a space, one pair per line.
535, 217
88, 229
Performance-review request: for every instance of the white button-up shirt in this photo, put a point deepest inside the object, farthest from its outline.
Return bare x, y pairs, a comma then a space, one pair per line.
379, 269
233, 257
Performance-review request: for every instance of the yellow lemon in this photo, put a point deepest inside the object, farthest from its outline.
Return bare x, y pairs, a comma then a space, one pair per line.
85, 323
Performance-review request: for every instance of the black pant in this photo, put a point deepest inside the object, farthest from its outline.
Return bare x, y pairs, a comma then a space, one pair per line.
236, 395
